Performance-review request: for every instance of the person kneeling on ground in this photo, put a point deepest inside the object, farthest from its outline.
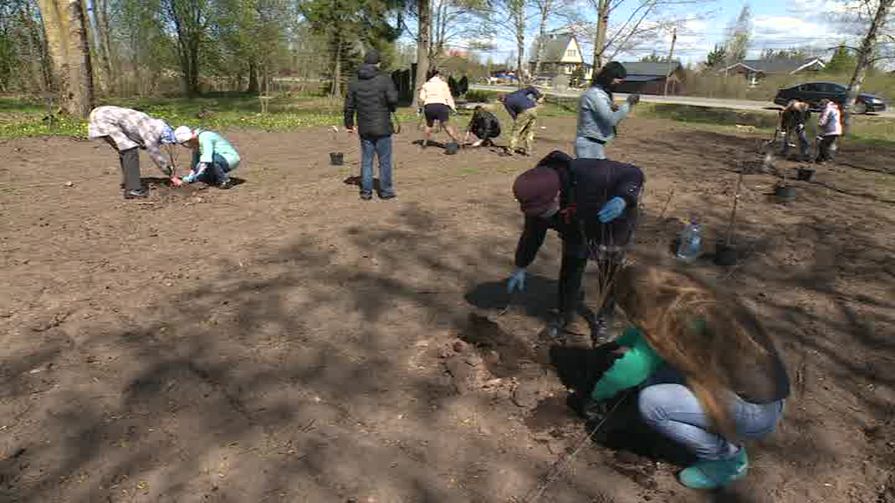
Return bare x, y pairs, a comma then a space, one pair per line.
708, 374
598, 116
438, 103
592, 204
484, 126
829, 127
127, 131
522, 105
792, 122
213, 156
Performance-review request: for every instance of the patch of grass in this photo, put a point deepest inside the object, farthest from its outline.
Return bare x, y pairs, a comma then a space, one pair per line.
21, 117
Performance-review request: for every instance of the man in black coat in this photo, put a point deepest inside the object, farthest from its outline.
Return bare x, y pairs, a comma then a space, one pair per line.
592, 204
372, 96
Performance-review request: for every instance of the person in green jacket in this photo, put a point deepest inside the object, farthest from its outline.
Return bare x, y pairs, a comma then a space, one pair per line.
213, 156
708, 375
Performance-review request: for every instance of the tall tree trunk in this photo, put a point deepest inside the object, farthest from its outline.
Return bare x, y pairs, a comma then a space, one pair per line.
66, 32
422, 49
865, 54
336, 90
253, 78
101, 11
600, 38
544, 11
518, 9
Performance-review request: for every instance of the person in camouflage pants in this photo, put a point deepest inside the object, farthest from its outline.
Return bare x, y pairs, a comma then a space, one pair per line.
522, 106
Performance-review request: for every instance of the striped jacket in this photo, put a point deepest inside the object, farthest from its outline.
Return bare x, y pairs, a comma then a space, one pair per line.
130, 129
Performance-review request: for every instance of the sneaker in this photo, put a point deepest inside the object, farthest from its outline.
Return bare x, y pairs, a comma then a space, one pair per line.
716, 473
141, 193
387, 196
366, 196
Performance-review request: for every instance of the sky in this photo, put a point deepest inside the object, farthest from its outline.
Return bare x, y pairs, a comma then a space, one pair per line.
776, 24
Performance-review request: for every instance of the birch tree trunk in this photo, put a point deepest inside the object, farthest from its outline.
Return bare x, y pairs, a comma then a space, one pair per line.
865, 54
600, 38
69, 49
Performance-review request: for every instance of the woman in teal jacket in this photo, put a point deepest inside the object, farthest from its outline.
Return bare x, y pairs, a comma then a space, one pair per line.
708, 375
213, 156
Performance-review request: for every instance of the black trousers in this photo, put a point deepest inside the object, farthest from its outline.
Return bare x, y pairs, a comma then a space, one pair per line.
130, 168
825, 149
571, 274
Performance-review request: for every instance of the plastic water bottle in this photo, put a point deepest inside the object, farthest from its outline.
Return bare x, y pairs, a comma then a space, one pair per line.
690, 246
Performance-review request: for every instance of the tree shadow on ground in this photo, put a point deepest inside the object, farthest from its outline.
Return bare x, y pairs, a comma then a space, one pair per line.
290, 372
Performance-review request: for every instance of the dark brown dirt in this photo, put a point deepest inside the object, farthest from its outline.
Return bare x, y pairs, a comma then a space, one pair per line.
284, 341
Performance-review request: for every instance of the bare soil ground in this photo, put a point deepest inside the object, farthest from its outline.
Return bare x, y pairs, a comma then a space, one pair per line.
285, 341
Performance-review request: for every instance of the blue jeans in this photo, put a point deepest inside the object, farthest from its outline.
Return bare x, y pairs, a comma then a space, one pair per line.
589, 149
669, 407
216, 172
381, 146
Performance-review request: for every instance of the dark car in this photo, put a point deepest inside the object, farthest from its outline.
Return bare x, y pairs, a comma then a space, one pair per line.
813, 92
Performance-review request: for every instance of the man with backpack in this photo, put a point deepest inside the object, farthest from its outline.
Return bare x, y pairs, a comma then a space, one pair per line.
592, 204
372, 97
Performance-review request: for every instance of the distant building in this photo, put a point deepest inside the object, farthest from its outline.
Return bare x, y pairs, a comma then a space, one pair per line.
560, 54
650, 78
757, 69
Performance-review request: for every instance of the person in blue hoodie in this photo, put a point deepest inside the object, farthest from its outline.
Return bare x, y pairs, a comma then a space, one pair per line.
213, 156
598, 116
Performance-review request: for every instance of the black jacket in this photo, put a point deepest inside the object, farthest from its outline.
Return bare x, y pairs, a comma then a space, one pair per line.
373, 97
484, 125
586, 185
793, 118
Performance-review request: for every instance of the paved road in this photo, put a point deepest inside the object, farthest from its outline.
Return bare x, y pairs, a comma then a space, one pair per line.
765, 106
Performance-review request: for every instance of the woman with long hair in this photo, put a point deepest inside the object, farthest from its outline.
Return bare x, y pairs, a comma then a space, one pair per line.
709, 376
598, 116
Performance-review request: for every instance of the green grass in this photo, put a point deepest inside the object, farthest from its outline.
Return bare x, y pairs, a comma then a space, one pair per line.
21, 118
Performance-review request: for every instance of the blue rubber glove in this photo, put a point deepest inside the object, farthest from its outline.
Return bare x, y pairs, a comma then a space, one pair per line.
189, 178
612, 209
516, 281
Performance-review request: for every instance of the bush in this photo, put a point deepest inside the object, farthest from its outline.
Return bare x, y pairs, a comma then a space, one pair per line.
479, 96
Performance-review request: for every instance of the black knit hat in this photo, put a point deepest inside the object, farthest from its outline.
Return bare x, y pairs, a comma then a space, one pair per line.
609, 72
372, 57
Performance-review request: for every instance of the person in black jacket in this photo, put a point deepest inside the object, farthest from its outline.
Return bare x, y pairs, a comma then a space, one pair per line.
592, 204
373, 97
484, 126
792, 123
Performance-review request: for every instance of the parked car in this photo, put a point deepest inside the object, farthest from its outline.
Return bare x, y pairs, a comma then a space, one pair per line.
813, 92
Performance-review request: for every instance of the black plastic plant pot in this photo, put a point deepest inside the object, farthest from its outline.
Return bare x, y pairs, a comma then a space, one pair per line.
805, 174
336, 158
725, 254
451, 148
785, 192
